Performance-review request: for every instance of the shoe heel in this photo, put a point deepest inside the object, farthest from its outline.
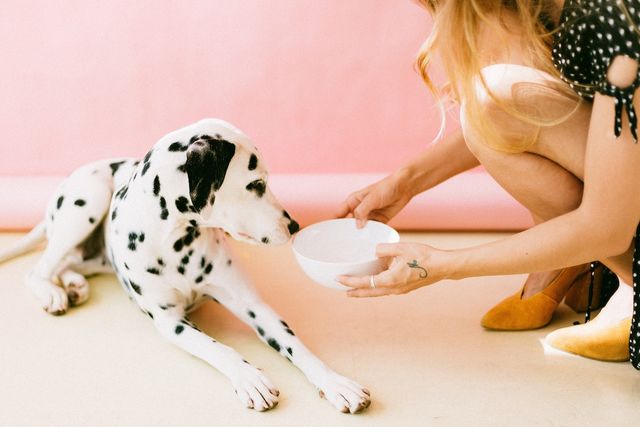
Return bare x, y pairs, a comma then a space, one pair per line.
605, 283
578, 296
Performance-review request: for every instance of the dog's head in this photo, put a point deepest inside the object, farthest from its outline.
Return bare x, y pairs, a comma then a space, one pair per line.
228, 187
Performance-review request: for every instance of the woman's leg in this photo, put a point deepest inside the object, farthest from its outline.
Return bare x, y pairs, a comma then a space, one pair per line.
547, 177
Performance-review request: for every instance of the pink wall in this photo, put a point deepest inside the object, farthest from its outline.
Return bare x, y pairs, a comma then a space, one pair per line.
321, 86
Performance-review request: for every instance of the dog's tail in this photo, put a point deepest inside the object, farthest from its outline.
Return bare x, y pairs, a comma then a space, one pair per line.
25, 244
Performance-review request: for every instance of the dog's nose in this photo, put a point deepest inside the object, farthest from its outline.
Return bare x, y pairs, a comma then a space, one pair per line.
293, 227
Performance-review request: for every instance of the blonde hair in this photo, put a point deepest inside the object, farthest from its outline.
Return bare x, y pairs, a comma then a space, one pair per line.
456, 25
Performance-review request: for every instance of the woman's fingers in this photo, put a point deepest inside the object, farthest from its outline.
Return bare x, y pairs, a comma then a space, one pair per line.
390, 249
347, 207
381, 280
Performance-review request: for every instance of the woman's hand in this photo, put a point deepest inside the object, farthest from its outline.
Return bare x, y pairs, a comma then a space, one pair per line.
412, 266
380, 201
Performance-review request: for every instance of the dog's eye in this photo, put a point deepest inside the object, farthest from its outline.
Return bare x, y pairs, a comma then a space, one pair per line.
259, 186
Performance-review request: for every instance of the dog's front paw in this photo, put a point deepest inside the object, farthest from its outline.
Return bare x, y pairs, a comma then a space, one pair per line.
346, 395
254, 389
76, 286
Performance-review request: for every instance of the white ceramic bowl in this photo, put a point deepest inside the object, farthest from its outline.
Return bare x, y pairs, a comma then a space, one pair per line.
337, 247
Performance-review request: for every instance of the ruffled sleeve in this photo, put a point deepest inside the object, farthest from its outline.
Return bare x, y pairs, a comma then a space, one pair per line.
616, 32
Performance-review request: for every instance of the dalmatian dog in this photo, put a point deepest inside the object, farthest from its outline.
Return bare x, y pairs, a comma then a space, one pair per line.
161, 224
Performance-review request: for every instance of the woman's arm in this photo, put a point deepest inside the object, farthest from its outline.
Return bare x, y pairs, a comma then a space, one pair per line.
382, 200
438, 163
601, 227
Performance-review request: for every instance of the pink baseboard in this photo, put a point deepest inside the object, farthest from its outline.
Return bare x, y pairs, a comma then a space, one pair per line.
470, 201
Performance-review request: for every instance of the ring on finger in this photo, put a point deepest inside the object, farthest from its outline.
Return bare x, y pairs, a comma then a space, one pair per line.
372, 281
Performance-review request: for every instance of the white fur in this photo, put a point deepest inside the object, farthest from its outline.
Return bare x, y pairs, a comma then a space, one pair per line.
140, 245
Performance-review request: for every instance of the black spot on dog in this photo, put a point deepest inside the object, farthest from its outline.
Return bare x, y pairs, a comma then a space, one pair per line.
59, 202
126, 266
79, 202
132, 241
136, 288
182, 168
274, 344
258, 186
92, 220
287, 328
260, 331
265, 240
205, 137
199, 279
122, 192
286, 214
253, 162
153, 270
206, 167
166, 306
202, 262
182, 204
290, 351
251, 314
228, 262
177, 146
160, 261
147, 156
185, 259
145, 168
180, 269
192, 233
115, 166
164, 212
208, 268
149, 314
114, 214
179, 329
156, 185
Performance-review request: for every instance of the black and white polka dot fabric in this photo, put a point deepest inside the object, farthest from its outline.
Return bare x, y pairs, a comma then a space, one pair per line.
591, 34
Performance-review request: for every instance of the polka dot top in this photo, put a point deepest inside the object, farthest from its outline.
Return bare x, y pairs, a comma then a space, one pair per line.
591, 34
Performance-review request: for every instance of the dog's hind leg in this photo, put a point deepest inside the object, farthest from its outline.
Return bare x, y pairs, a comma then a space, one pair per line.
253, 388
73, 214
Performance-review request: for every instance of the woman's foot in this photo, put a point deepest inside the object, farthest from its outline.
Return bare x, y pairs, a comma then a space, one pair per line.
604, 338
533, 306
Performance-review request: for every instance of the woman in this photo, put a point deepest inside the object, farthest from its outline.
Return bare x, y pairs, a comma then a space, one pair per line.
547, 90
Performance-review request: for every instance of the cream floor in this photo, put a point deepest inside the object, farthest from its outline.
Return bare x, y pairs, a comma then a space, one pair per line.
424, 357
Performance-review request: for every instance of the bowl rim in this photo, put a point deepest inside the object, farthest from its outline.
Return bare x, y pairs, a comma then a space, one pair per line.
395, 234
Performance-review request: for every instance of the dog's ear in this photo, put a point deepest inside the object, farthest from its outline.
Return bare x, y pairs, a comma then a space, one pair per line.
206, 167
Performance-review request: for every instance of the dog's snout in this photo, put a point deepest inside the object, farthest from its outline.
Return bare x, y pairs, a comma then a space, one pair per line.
293, 227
